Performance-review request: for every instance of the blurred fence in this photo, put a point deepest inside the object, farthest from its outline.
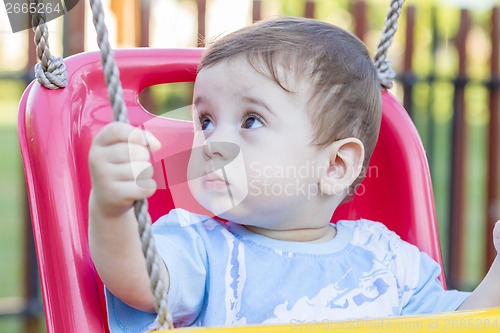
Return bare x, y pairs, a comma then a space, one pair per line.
452, 213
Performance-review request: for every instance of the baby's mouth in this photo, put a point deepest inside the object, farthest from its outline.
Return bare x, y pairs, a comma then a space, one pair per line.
214, 182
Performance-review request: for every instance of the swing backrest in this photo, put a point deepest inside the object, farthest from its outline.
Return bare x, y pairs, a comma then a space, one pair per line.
55, 132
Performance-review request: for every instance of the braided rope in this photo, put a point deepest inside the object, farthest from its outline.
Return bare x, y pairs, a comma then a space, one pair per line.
115, 92
50, 71
385, 72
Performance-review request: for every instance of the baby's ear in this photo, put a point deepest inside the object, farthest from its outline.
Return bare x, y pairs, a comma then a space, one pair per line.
346, 158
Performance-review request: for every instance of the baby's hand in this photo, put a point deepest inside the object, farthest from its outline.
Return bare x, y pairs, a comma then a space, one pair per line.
496, 237
120, 168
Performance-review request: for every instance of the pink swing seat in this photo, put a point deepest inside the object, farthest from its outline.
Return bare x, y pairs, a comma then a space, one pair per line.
55, 132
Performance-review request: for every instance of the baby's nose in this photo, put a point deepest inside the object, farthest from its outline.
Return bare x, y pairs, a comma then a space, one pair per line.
225, 151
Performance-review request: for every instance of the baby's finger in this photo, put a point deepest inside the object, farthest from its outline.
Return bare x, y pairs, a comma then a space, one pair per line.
136, 152
144, 138
496, 236
138, 190
126, 192
117, 132
128, 171
114, 132
141, 169
122, 152
146, 173
152, 142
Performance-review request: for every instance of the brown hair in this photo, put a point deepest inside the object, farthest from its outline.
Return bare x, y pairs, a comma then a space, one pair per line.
345, 99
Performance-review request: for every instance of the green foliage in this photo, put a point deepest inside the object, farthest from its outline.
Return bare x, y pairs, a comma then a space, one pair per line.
170, 100
10, 228
10, 217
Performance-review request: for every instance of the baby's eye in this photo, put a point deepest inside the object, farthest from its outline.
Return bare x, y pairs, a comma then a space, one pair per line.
252, 121
206, 123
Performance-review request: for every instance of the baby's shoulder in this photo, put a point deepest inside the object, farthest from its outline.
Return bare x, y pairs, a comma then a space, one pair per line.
365, 227
181, 218
372, 234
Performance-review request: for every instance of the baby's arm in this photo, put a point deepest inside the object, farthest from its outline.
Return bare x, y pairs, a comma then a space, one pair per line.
487, 294
113, 233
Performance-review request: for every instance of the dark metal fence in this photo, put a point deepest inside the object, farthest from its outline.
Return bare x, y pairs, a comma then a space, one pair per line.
459, 135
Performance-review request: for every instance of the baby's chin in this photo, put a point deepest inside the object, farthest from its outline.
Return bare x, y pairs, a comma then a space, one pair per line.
247, 219
232, 214
254, 211
222, 207
236, 214
222, 203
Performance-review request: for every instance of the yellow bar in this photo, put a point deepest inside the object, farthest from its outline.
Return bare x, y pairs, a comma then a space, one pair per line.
484, 321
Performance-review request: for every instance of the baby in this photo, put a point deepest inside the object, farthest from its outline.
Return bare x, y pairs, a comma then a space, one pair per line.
279, 96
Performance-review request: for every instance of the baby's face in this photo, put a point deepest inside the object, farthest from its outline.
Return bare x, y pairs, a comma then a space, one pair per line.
252, 160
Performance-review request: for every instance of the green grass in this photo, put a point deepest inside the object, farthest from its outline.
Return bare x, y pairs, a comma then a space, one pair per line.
10, 221
11, 204
10, 217
10, 211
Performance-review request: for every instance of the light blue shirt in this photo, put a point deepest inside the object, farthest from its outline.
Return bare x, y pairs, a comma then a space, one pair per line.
221, 274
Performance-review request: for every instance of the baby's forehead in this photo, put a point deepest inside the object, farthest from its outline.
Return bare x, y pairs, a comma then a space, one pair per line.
238, 84
246, 70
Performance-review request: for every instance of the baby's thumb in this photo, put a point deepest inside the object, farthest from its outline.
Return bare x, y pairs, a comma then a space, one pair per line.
152, 141
496, 236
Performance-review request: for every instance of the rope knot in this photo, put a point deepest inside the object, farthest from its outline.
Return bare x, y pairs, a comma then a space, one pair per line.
54, 76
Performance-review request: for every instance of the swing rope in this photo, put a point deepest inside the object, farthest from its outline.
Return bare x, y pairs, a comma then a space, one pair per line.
115, 92
51, 73
386, 74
